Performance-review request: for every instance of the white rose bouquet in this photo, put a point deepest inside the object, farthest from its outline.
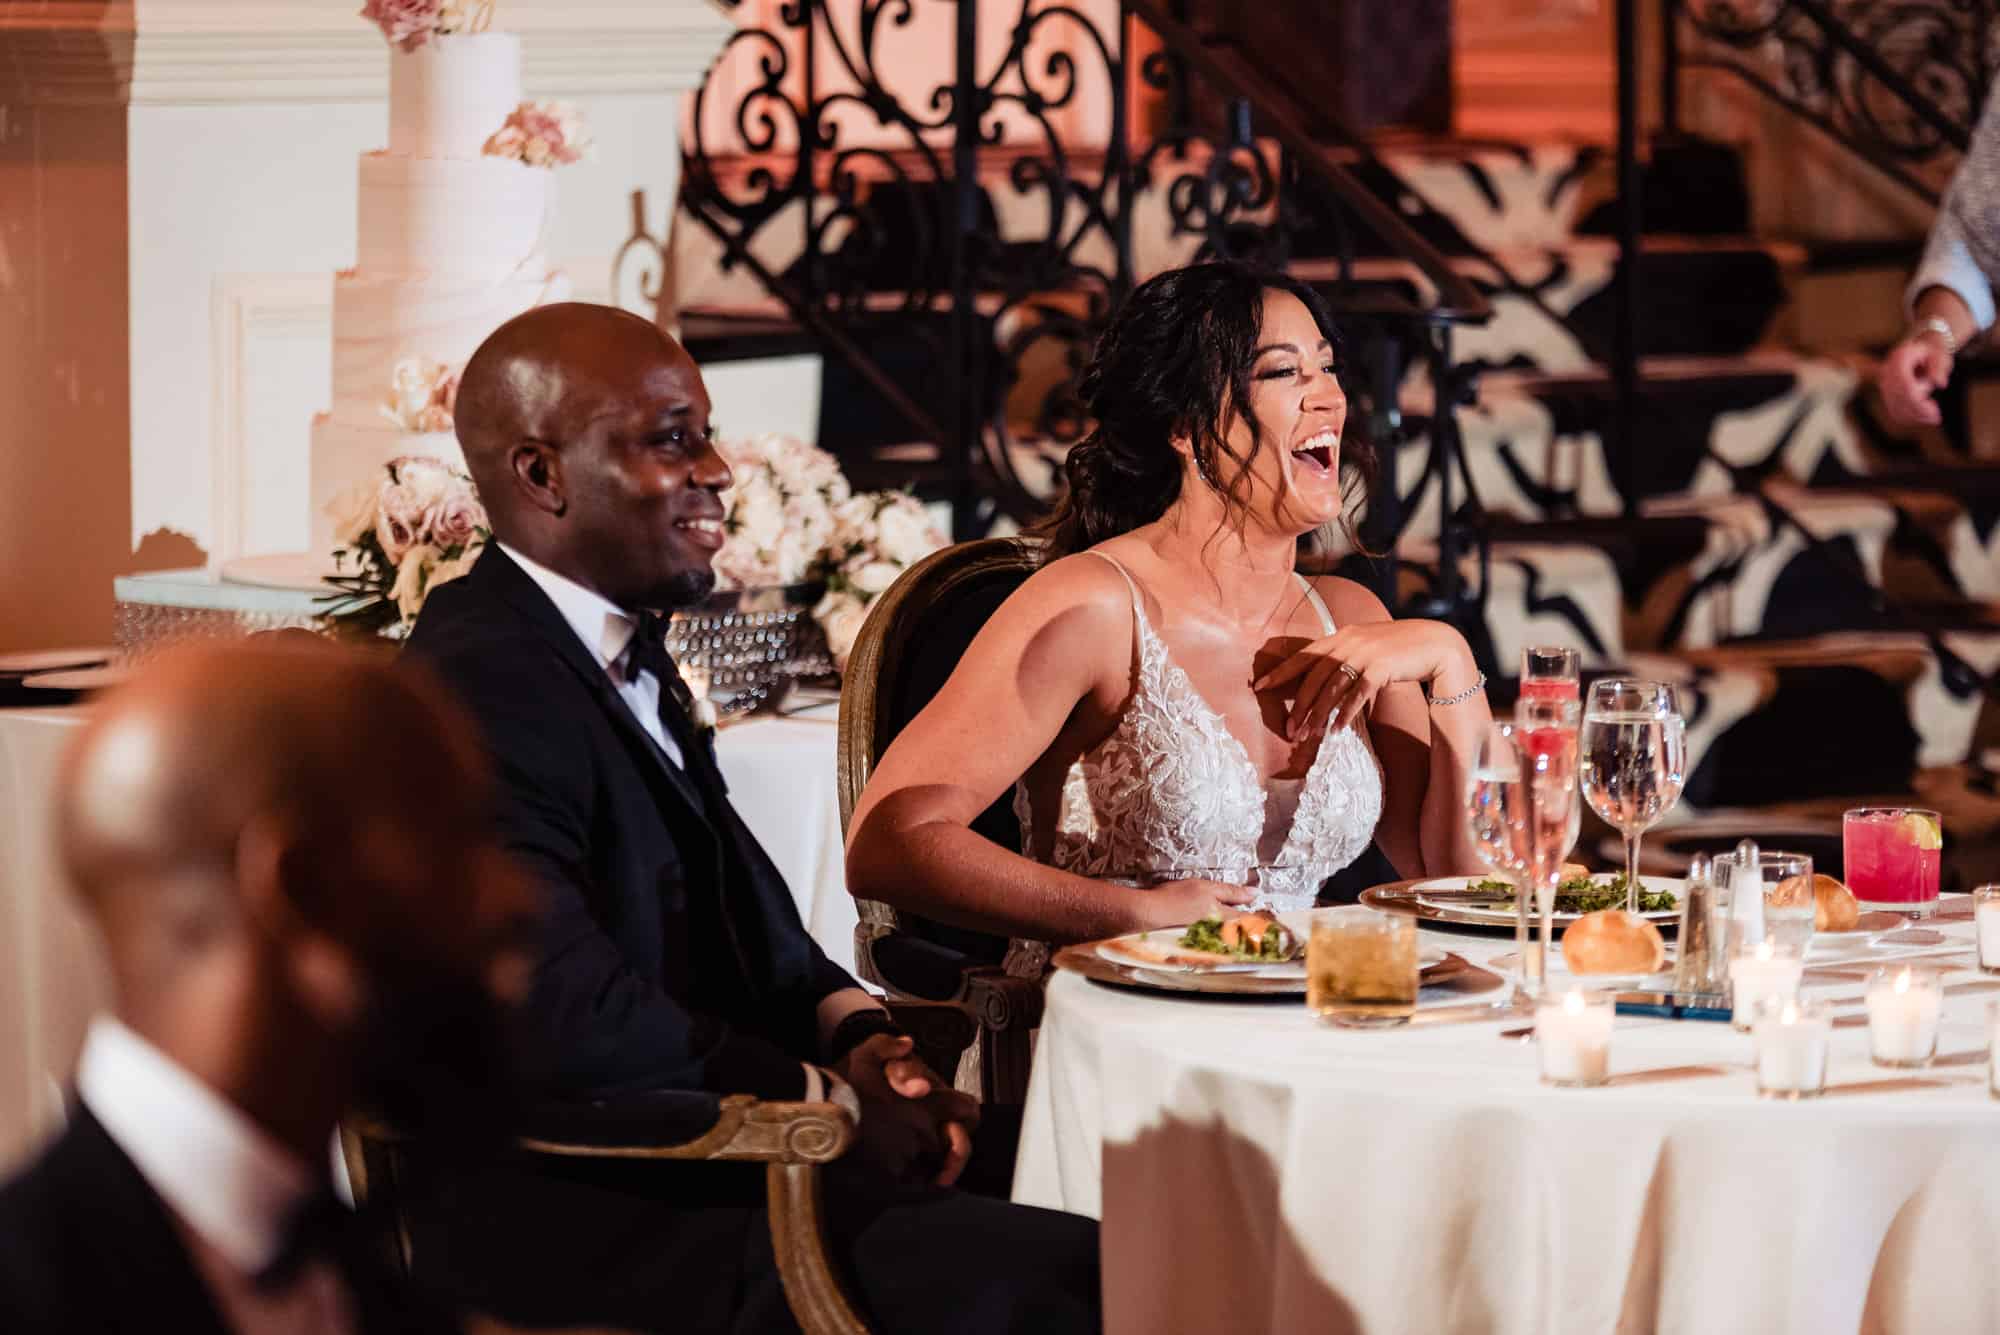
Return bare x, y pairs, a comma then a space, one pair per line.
421, 526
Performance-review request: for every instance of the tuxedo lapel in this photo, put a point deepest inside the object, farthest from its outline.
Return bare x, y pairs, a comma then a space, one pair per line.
135, 1233
510, 584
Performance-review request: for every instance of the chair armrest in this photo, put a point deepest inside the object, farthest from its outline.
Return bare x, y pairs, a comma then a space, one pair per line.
737, 1127
1002, 1002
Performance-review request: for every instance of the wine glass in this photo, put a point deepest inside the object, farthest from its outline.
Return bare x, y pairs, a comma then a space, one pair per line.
1633, 761
1496, 803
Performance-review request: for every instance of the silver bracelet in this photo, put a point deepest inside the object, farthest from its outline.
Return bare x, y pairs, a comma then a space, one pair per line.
1935, 325
1463, 695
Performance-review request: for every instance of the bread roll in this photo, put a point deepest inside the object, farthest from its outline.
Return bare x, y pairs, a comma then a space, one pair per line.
1834, 909
1613, 941
1573, 871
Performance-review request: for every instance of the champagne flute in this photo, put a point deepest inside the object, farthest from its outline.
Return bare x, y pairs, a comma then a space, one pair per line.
1496, 806
1546, 730
1549, 672
1633, 761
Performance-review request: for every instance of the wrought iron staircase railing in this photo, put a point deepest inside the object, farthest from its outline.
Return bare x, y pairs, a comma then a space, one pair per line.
1899, 83
890, 250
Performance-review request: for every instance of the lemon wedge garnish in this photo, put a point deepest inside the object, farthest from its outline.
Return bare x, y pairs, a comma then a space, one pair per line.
1923, 831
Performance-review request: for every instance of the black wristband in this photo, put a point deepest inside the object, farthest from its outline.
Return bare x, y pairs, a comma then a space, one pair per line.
856, 1029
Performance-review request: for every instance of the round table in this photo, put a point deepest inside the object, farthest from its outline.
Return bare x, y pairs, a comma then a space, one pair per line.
1256, 1170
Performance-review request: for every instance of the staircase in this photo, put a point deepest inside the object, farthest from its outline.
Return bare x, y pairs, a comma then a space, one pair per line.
1828, 590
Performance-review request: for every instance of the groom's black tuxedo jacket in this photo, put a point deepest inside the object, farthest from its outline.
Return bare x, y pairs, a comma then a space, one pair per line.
672, 954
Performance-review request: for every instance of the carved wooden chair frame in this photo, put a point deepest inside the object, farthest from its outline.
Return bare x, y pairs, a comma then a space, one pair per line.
1005, 1008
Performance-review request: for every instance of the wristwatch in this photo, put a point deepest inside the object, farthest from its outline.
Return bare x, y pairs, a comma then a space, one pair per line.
1935, 325
856, 1029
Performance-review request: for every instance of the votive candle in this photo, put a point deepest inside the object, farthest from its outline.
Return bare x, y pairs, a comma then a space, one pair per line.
1903, 1009
1573, 1038
1792, 1041
1986, 918
1764, 971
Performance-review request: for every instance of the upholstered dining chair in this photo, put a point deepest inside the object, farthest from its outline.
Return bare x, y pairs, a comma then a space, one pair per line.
914, 636
792, 1140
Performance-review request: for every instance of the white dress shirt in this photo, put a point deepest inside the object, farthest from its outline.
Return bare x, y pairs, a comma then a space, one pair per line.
1963, 253
229, 1186
606, 630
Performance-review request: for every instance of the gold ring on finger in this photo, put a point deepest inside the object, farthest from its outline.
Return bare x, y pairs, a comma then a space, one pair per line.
1353, 673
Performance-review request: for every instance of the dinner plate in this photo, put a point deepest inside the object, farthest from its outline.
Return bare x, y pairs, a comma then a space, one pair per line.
1434, 894
52, 660
1160, 951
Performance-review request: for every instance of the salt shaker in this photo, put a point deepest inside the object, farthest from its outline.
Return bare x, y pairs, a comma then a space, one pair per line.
1700, 968
1746, 898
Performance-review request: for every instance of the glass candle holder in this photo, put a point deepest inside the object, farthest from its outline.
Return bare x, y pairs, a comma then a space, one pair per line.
1904, 1005
1573, 1037
1793, 1037
1986, 923
1758, 973
1361, 967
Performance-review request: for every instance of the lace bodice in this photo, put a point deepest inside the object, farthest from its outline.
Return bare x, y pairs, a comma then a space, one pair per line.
1172, 789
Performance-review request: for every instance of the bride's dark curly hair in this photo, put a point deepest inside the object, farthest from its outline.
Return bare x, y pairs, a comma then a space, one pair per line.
1175, 362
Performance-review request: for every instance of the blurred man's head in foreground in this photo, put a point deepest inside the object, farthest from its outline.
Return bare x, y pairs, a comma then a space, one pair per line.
287, 847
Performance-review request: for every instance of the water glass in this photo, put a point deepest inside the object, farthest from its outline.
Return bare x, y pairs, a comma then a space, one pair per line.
1361, 967
1891, 856
1497, 810
1904, 1006
1986, 923
1784, 882
1632, 760
1793, 1038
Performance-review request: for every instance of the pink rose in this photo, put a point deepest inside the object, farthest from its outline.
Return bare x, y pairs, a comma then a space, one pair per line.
407, 24
541, 134
457, 518
399, 519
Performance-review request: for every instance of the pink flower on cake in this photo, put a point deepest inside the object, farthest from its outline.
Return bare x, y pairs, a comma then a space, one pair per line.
541, 134
408, 24
422, 395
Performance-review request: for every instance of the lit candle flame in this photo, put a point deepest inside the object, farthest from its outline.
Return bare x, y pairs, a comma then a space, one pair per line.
1903, 981
1573, 1003
1767, 949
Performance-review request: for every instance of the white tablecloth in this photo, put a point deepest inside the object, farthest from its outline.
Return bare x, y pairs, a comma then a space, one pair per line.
1256, 1171
781, 778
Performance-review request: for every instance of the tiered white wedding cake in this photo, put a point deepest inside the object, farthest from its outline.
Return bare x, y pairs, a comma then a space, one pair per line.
449, 248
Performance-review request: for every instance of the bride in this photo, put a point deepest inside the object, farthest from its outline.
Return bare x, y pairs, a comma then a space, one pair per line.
1178, 709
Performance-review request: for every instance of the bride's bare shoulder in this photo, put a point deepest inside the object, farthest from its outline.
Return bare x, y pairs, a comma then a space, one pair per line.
1350, 603
1081, 589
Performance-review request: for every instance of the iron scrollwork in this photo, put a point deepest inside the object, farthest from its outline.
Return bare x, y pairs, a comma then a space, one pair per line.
1900, 83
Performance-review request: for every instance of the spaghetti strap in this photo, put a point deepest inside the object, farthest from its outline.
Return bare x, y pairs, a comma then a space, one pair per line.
1138, 609
1319, 603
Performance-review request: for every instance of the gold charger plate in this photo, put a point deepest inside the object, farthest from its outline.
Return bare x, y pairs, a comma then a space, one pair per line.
1454, 972
1405, 898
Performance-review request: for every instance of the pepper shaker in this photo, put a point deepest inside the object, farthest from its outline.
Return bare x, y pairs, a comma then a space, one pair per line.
1701, 968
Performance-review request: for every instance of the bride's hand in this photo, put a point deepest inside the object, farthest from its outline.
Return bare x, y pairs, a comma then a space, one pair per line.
1340, 673
1178, 903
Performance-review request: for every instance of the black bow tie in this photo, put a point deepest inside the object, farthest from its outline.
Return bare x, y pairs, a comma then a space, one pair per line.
649, 651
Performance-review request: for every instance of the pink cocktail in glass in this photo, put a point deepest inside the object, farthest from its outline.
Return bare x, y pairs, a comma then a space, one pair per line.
1891, 856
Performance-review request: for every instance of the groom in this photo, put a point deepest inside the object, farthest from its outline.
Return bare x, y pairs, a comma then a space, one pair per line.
673, 957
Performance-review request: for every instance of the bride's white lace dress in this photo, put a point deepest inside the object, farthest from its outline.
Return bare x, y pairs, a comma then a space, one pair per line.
1172, 790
